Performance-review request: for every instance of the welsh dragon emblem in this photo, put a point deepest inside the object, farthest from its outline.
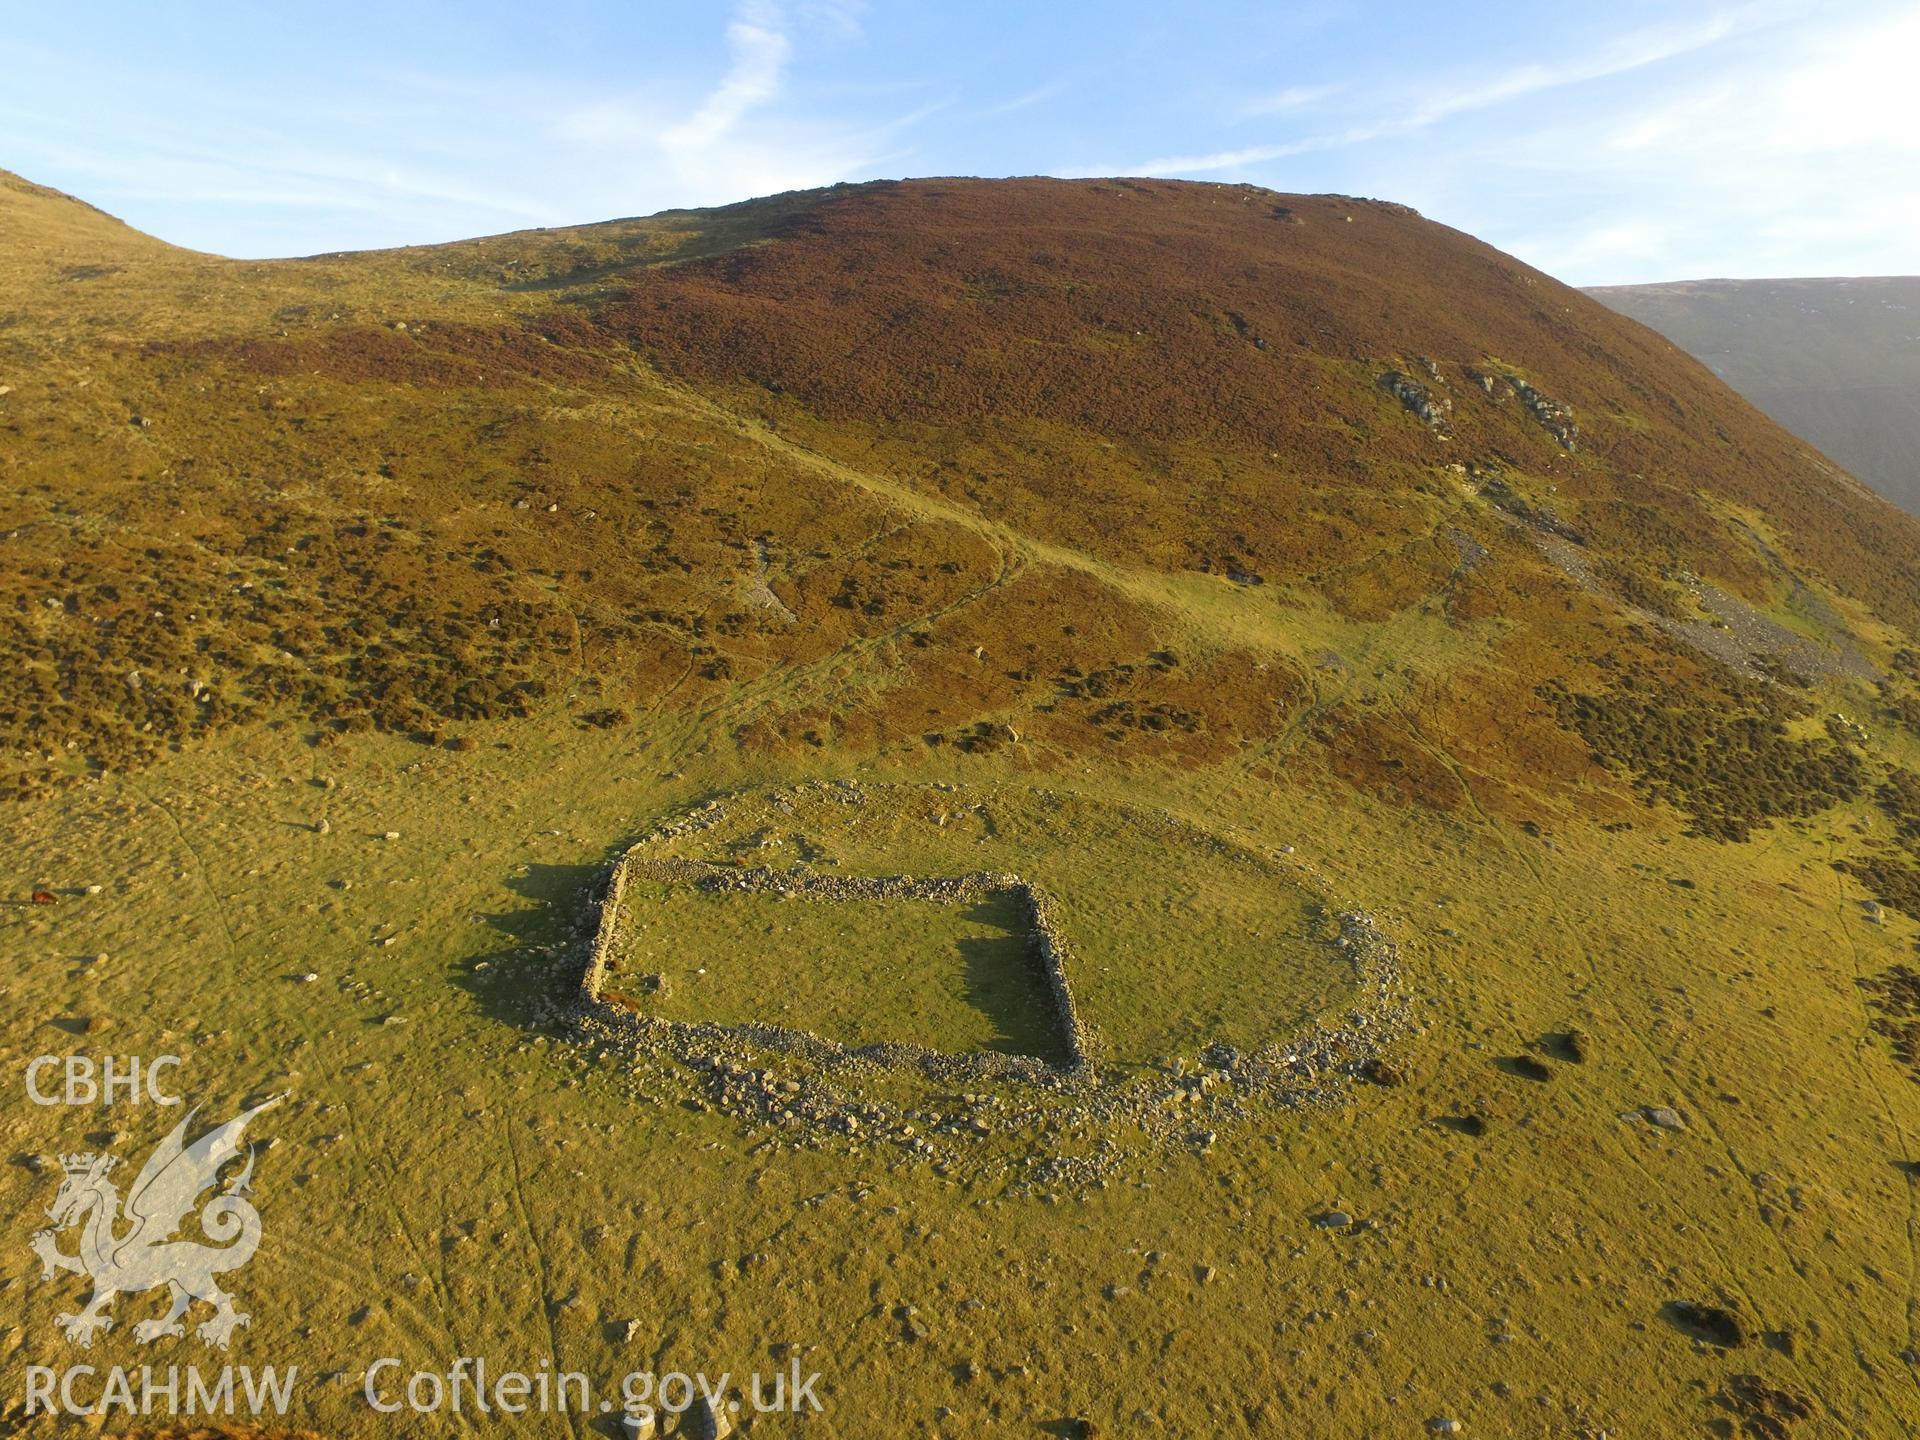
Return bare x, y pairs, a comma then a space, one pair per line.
132, 1247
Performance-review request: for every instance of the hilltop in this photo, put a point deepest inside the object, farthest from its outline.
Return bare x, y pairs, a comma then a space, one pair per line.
937, 416
1470, 755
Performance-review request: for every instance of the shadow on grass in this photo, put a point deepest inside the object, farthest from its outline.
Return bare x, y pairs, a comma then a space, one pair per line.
1004, 983
1711, 1323
542, 947
1523, 1067
534, 970
543, 940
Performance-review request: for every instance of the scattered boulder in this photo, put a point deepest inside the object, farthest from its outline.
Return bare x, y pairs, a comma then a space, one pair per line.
708, 1420
1421, 402
1556, 419
912, 1327
1664, 1116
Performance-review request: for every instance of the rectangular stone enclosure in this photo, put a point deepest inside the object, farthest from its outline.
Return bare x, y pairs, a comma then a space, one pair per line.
955, 965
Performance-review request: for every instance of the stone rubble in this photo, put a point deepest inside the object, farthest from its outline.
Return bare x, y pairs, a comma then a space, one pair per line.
810, 1092
1430, 410
1049, 950
1556, 419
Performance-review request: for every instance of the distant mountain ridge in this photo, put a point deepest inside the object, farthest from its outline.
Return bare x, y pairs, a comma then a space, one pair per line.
1837, 361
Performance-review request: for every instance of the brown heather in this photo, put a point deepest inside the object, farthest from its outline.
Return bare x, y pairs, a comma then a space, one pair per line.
418, 490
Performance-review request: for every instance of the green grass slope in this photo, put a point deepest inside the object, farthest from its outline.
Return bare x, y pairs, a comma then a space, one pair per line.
1240, 564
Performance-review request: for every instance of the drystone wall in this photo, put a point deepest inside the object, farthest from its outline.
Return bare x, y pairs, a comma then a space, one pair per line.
1048, 948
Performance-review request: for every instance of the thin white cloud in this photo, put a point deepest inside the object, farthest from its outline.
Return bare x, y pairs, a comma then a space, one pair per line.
1757, 136
1790, 157
1633, 52
750, 135
838, 18
265, 172
1212, 160
1294, 97
1038, 95
758, 49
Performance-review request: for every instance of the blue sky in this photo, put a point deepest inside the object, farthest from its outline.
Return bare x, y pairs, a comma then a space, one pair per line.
1605, 143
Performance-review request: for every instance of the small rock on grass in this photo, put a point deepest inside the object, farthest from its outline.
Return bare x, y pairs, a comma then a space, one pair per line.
709, 1421
1664, 1116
